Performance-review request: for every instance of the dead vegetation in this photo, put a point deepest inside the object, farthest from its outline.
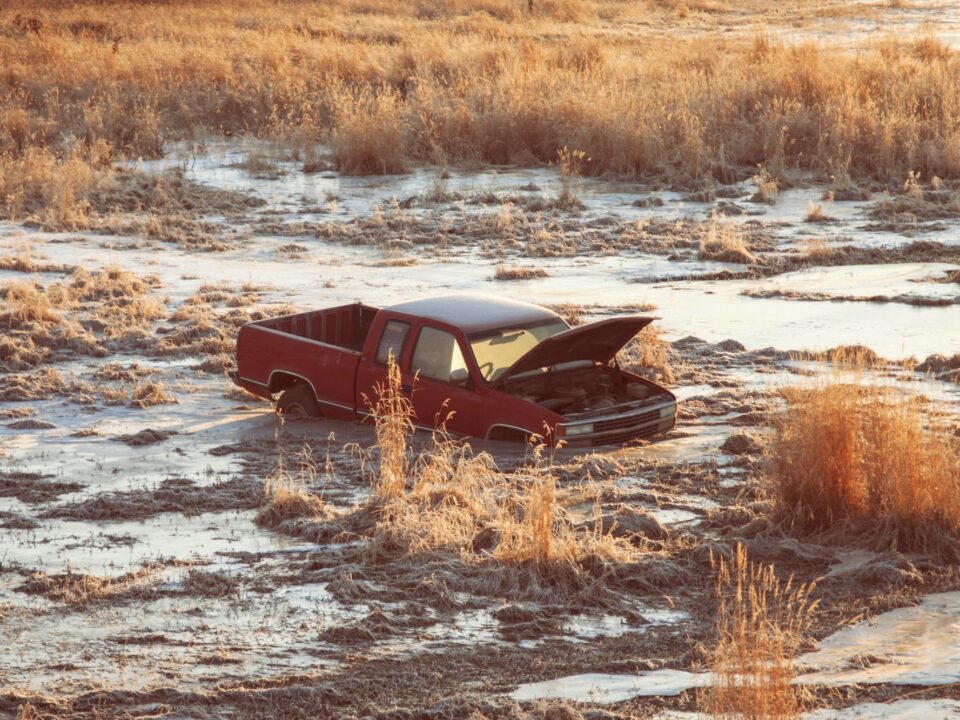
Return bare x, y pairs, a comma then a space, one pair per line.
857, 459
172, 495
723, 241
287, 494
441, 82
761, 623
518, 272
903, 298
80, 589
918, 205
650, 354
34, 488
91, 314
495, 533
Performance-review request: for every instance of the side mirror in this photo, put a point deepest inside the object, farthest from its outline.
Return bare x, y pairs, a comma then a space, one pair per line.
460, 377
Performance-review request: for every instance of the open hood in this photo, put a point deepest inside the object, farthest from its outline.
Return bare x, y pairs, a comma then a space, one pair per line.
597, 342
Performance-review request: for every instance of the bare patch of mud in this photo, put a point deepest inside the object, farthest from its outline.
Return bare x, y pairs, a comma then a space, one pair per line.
173, 495
907, 299
34, 488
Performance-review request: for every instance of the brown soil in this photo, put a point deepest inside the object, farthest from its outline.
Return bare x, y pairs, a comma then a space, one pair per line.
33, 488
173, 495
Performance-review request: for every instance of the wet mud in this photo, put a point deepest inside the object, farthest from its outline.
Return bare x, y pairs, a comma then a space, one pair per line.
145, 569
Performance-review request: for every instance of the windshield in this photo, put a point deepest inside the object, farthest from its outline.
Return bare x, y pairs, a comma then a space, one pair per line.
497, 352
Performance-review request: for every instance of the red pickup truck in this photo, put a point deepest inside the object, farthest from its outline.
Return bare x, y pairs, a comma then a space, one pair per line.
506, 370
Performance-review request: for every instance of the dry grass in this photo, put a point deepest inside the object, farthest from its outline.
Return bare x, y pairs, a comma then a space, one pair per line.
148, 394
82, 589
393, 415
91, 312
867, 459
817, 250
724, 241
518, 272
651, 354
761, 622
815, 214
455, 82
288, 497
507, 532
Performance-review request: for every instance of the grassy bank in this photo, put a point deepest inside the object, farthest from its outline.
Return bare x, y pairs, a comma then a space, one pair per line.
387, 84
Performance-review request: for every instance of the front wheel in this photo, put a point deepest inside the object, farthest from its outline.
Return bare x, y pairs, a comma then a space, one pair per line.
297, 403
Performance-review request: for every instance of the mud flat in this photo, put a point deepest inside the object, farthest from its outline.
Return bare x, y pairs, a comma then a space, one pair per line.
135, 575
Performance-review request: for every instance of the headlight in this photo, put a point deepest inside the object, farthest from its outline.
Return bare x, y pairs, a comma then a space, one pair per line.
668, 411
574, 430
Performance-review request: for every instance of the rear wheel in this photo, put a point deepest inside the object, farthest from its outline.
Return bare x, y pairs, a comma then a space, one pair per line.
298, 403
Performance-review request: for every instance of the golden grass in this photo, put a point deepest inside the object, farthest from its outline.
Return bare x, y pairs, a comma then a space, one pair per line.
92, 308
508, 530
724, 241
518, 272
651, 354
456, 82
761, 622
867, 458
393, 416
287, 494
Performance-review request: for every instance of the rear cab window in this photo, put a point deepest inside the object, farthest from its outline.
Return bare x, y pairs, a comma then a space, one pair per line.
391, 341
437, 355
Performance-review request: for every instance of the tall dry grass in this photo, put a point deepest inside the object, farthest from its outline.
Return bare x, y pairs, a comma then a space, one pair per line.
509, 530
287, 493
761, 621
386, 83
393, 416
724, 241
858, 456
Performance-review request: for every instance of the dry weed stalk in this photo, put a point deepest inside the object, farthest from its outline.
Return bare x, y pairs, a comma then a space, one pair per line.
393, 417
650, 353
287, 493
509, 527
851, 455
761, 622
518, 272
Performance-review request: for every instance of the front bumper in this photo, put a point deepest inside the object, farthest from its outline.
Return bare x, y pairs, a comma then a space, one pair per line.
619, 429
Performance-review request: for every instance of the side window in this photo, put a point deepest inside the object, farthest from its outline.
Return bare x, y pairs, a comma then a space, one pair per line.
437, 355
391, 342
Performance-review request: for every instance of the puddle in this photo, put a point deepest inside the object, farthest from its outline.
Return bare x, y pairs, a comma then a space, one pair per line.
898, 710
914, 646
850, 560
909, 646
607, 689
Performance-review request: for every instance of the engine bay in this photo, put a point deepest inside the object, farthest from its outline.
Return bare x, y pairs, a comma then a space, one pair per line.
587, 392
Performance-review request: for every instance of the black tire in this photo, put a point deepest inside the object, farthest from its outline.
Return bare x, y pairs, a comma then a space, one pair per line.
298, 403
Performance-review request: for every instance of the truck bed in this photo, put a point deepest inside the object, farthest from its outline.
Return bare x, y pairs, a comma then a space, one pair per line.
320, 347
345, 326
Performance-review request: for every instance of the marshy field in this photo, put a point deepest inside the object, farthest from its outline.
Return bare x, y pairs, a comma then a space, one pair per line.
779, 183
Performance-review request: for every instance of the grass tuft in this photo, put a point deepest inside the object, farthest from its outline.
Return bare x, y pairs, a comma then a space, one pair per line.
864, 458
723, 241
761, 622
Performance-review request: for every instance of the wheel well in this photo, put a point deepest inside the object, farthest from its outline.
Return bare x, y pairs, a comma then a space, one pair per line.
504, 433
280, 381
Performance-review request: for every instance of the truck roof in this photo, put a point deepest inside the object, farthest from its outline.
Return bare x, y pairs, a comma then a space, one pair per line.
476, 313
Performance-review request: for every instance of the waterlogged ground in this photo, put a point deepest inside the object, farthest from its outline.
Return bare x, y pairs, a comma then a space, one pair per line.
133, 578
